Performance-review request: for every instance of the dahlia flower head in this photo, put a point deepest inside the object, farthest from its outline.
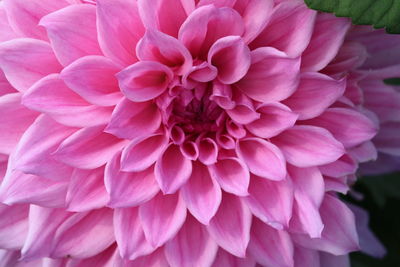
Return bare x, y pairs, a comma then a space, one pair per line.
188, 132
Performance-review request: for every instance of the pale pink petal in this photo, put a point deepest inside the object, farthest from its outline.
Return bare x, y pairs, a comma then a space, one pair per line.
162, 217
106, 258
6, 31
131, 120
51, 96
348, 126
309, 100
270, 247
86, 190
274, 119
192, 246
72, 32
201, 194
93, 78
14, 121
306, 146
262, 158
127, 189
231, 56
273, 76
160, 47
89, 148
144, 80
225, 259
129, 234
120, 19
25, 61
271, 201
155, 259
172, 169
13, 226
230, 227
232, 175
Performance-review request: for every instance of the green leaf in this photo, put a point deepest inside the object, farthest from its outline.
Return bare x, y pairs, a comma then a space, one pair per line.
379, 13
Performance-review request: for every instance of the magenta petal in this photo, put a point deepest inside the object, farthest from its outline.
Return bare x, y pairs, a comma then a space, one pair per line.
129, 234
13, 226
232, 175
192, 246
273, 76
271, 201
262, 158
72, 32
172, 170
208, 151
144, 80
201, 194
120, 19
230, 227
329, 260
270, 247
225, 259
127, 189
306, 146
162, 217
89, 148
92, 77
25, 61
231, 56
306, 257
86, 190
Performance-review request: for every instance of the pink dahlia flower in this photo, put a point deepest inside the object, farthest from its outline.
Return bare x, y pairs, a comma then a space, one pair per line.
181, 133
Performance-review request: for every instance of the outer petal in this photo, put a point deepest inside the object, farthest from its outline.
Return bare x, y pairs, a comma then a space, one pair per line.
201, 194
6, 32
72, 32
329, 260
388, 140
162, 217
192, 246
230, 227
273, 76
93, 78
306, 146
225, 259
306, 257
13, 226
120, 19
25, 61
256, 152
172, 169
127, 189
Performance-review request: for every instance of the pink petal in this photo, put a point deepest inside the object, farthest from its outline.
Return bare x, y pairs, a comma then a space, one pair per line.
201, 194
309, 100
388, 139
306, 146
199, 32
162, 217
230, 227
222, 95
289, 29
25, 61
273, 76
225, 259
72, 32
129, 234
243, 111
348, 126
86, 190
306, 257
5, 86
120, 19
127, 189
24, 16
106, 257
262, 158
192, 246
6, 31
345, 165
274, 119
339, 235
93, 78
144, 80
160, 47
270, 247
231, 56
329, 260
208, 151
232, 175
51, 96
89, 148
15, 119
13, 226
33, 154
172, 170
131, 120
271, 201
328, 36
155, 259
309, 193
